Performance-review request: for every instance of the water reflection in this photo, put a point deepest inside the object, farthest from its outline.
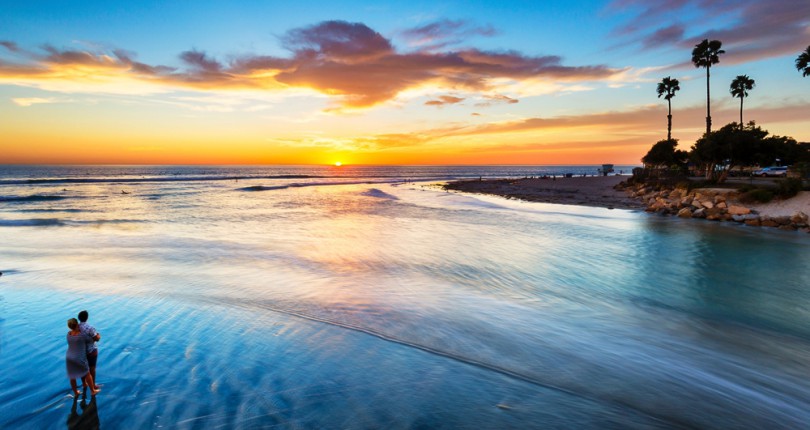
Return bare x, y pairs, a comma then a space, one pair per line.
87, 419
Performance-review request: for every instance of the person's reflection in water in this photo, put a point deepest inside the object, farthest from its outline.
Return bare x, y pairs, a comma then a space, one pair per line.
88, 420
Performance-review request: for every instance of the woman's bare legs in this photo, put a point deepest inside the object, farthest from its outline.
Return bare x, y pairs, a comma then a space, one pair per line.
75, 389
88, 382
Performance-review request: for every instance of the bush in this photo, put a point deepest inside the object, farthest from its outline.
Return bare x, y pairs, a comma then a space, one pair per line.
788, 187
757, 195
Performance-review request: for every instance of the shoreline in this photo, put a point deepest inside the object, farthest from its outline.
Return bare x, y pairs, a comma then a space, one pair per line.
595, 191
606, 192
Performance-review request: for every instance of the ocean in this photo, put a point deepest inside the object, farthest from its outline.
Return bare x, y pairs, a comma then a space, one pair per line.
361, 297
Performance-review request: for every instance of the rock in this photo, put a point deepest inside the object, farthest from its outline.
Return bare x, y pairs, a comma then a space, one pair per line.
753, 222
696, 203
721, 205
700, 213
719, 199
787, 227
738, 218
707, 204
675, 194
768, 222
686, 201
685, 213
782, 220
799, 218
738, 210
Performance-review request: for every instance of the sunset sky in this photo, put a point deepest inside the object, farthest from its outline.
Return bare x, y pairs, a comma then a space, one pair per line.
417, 82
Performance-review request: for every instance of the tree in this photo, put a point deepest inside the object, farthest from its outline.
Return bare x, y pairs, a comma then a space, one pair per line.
667, 88
803, 62
740, 87
705, 54
664, 155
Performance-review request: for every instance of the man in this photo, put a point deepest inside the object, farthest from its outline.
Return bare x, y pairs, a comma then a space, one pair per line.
92, 351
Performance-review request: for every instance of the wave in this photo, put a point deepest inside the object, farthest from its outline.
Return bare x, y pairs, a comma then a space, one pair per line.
56, 222
374, 192
35, 222
31, 198
145, 179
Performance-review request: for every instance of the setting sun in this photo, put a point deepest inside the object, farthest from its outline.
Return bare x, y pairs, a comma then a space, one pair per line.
338, 164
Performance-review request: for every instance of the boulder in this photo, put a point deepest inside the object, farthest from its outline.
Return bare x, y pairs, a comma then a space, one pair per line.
768, 222
738, 210
699, 213
753, 222
738, 218
719, 199
787, 227
782, 220
707, 204
686, 201
721, 205
799, 218
685, 213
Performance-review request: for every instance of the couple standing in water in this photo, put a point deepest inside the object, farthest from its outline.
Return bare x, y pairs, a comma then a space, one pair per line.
82, 354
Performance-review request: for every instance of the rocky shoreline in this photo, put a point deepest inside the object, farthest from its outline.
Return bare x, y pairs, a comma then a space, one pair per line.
713, 204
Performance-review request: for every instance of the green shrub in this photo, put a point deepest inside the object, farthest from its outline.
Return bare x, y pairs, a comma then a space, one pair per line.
788, 187
757, 195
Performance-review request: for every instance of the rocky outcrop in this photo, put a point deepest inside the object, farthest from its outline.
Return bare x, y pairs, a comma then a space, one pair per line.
713, 204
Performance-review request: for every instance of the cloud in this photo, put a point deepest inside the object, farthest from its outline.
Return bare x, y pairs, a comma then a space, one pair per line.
347, 61
443, 33
444, 100
496, 99
751, 30
30, 101
11, 46
664, 36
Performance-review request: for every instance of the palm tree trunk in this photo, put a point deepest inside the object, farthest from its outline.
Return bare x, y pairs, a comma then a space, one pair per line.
741, 106
669, 120
708, 103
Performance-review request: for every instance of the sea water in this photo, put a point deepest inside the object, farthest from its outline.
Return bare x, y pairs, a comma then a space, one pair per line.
367, 297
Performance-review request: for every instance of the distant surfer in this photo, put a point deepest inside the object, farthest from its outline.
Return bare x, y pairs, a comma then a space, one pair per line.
124, 192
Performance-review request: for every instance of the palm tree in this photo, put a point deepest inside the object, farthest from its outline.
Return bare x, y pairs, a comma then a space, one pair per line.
705, 54
803, 62
667, 88
740, 87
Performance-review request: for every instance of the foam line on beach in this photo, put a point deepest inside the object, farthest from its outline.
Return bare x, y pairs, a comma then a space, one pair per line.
325, 184
458, 358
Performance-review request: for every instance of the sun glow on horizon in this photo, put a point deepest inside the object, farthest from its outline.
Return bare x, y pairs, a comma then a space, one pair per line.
338, 164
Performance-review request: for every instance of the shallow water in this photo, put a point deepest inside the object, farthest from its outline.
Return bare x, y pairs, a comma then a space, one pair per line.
303, 297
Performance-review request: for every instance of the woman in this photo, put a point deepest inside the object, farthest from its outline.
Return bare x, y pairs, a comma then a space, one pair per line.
76, 358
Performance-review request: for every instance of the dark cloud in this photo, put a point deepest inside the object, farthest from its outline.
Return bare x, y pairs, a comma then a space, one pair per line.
665, 36
439, 34
444, 100
11, 46
348, 60
758, 29
337, 40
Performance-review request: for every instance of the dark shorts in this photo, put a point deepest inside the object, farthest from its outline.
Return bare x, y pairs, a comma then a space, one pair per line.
92, 358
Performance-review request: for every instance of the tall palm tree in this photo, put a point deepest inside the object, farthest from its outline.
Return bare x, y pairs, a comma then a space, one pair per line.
803, 62
705, 54
667, 88
740, 87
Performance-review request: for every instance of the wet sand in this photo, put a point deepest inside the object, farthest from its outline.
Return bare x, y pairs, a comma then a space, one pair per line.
594, 191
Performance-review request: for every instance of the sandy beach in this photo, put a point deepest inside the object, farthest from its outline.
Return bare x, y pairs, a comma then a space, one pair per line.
599, 191
595, 191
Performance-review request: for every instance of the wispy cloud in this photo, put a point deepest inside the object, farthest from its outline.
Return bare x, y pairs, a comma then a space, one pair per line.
30, 101
440, 34
751, 29
444, 100
348, 61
